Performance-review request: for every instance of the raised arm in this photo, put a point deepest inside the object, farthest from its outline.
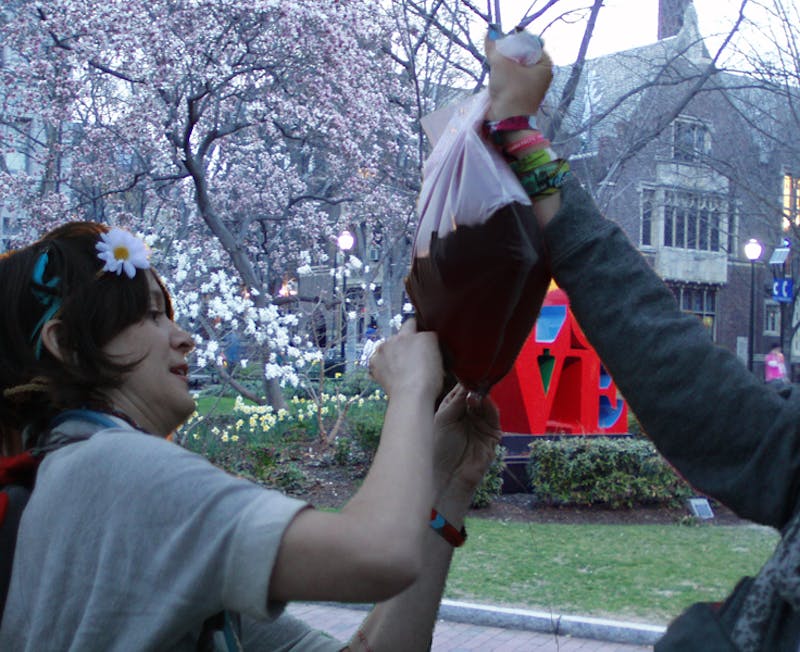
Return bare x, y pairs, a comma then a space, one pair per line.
728, 434
466, 438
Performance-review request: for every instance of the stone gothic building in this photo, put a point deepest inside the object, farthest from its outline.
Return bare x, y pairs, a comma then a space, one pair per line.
693, 162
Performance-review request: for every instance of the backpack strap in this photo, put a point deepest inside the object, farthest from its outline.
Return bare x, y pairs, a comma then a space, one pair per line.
17, 477
221, 633
19, 469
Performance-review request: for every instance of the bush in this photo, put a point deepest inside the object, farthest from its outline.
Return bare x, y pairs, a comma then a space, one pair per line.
492, 483
343, 452
634, 427
288, 477
358, 382
614, 473
266, 464
364, 423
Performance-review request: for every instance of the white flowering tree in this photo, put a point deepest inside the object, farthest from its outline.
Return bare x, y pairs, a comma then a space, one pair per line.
230, 133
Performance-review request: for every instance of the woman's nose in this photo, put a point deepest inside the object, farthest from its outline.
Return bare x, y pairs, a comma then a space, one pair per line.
182, 340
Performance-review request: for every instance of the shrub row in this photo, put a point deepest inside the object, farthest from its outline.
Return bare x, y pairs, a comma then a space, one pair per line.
613, 473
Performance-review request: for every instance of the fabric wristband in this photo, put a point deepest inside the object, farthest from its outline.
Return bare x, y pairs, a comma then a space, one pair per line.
496, 128
447, 530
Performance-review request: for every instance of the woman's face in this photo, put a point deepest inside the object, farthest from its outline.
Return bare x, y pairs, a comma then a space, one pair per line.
155, 394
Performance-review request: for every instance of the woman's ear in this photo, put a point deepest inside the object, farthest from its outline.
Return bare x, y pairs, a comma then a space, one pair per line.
50, 339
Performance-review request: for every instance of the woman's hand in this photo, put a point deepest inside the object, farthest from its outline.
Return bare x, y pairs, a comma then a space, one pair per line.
408, 361
465, 439
515, 89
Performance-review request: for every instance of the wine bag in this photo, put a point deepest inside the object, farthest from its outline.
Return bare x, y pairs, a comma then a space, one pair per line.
477, 275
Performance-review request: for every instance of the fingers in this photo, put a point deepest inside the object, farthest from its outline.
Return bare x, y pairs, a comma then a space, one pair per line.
408, 361
453, 405
481, 405
481, 419
457, 392
485, 418
477, 407
488, 412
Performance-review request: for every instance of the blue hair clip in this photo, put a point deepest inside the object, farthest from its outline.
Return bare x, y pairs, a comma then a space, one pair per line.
44, 293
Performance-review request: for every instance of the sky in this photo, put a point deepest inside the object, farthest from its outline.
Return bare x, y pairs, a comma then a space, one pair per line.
621, 25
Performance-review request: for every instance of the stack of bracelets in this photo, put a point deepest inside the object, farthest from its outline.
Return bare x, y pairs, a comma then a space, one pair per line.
540, 171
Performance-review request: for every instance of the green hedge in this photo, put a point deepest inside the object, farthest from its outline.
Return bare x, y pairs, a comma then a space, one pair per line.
614, 473
492, 484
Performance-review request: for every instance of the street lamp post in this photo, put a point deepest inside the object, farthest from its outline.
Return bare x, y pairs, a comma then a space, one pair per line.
752, 250
345, 243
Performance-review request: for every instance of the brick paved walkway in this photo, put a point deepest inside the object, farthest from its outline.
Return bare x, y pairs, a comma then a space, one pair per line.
457, 637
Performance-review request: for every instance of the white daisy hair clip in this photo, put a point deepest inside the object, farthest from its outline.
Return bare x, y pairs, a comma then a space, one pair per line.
121, 251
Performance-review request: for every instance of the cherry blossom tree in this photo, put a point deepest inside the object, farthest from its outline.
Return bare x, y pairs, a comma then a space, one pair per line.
231, 133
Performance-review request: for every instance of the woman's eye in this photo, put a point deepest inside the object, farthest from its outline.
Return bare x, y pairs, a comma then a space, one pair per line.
155, 314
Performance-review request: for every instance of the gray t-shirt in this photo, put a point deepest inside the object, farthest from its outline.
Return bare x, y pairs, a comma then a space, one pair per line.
130, 542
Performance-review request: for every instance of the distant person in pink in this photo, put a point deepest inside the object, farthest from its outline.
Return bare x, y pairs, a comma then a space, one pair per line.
774, 366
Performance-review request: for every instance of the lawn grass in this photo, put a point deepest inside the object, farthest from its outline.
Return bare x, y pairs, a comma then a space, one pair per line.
220, 405
644, 573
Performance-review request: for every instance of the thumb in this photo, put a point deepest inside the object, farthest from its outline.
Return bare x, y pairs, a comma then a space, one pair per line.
490, 43
485, 410
453, 405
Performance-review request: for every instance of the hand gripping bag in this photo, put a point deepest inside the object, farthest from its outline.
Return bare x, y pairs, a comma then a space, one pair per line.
477, 275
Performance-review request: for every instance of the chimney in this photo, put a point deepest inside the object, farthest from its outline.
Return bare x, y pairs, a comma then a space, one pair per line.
670, 17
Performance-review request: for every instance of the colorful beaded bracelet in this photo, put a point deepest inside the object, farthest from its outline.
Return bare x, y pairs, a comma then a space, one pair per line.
536, 139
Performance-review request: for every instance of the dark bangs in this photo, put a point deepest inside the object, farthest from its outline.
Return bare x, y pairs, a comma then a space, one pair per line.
60, 277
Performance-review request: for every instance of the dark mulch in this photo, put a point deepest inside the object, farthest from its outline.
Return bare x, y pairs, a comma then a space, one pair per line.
329, 485
522, 507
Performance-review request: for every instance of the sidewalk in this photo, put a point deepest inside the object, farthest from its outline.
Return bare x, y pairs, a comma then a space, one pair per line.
464, 627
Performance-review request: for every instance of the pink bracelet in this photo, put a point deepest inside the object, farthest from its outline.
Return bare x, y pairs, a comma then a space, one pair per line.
536, 138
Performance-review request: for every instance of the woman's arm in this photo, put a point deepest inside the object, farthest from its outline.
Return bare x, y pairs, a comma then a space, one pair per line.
466, 439
372, 549
728, 434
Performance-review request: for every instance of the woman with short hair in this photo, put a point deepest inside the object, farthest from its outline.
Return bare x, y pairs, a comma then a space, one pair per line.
130, 542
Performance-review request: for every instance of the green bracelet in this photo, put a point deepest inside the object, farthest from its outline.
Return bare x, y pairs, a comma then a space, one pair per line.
533, 160
546, 179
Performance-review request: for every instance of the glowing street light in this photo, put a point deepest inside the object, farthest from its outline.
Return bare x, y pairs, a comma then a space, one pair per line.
752, 250
345, 242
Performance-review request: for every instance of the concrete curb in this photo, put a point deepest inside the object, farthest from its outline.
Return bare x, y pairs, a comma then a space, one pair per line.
602, 629
599, 629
